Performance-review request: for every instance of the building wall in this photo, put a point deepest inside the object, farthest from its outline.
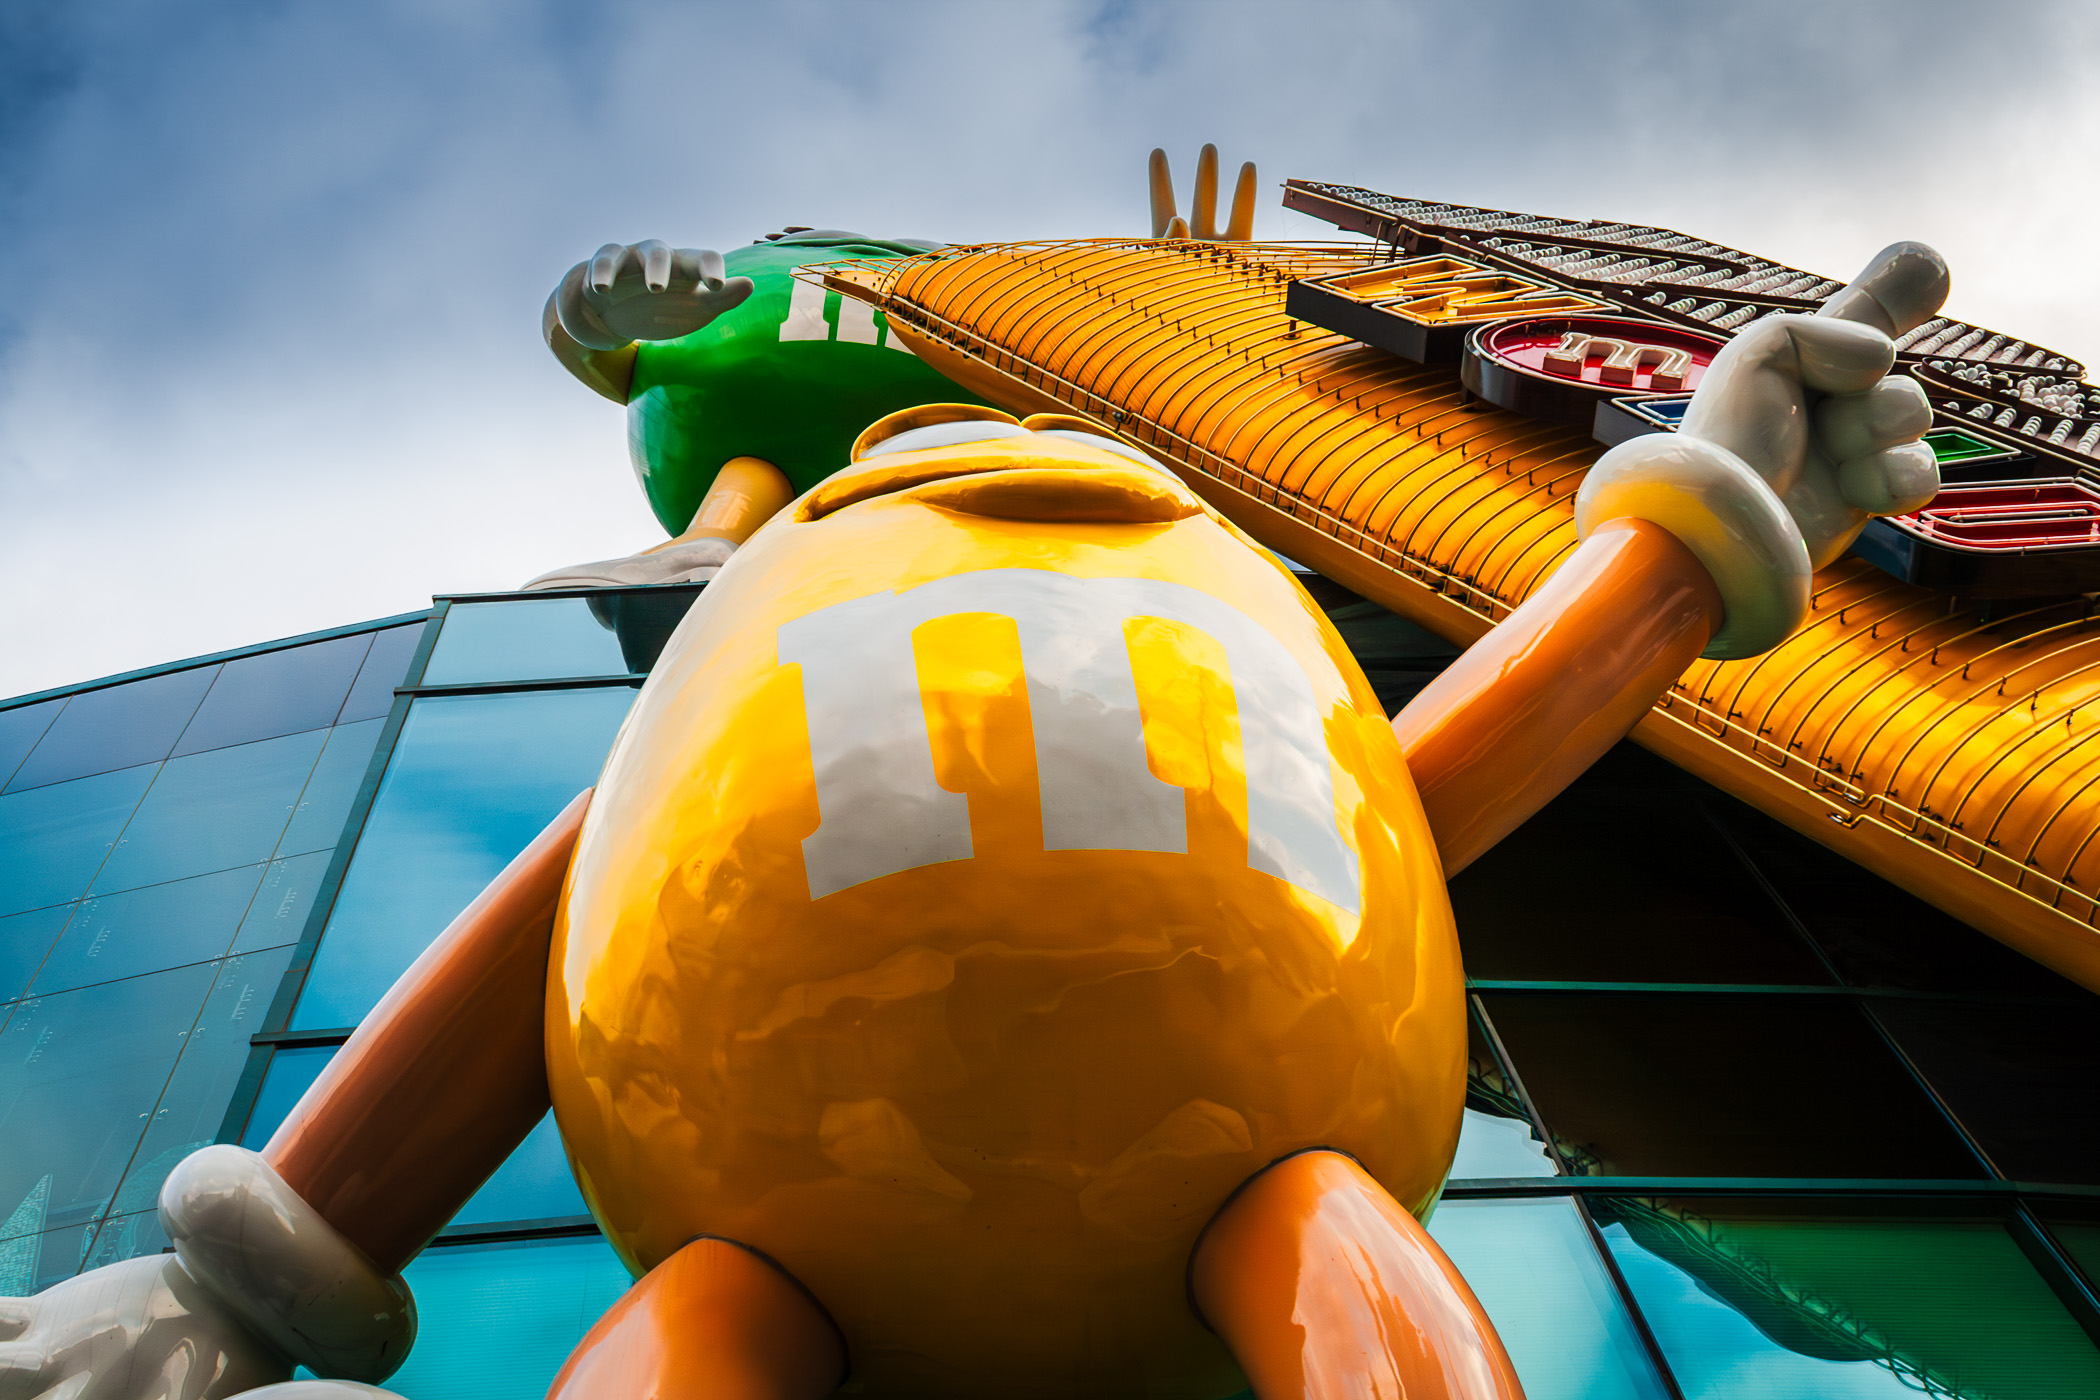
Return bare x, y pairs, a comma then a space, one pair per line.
1743, 1121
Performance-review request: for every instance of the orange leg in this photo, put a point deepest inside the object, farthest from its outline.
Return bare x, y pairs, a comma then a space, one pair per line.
1324, 1288
713, 1322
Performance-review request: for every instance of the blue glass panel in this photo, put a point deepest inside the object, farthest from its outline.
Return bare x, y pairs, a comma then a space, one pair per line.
498, 1320
1537, 1273
31, 1263
118, 726
318, 823
472, 780
80, 1075
386, 666
534, 1184
211, 811
542, 639
193, 1107
291, 1073
24, 941
278, 914
278, 692
53, 839
20, 728
145, 930
1492, 1146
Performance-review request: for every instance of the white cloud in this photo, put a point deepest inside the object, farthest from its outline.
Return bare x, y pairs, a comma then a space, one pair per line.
269, 359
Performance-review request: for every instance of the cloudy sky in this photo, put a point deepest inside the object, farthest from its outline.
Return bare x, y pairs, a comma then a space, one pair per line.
269, 347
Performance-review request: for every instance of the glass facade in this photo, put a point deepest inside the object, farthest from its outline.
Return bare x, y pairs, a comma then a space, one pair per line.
1742, 1120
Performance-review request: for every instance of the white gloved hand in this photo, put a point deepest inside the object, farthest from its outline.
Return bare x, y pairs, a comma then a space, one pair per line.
644, 291
1797, 436
259, 1283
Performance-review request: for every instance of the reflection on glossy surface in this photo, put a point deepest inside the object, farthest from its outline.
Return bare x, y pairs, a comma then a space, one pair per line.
143, 1327
1775, 1303
982, 1105
1722, 1086
712, 1320
472, 780
1324, 1289
1536, 1272
528, 641
212, 811
53, 839
118, 726
1491, 1146
279, 1266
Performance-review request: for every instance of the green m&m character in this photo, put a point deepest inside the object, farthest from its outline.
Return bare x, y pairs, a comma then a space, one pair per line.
730, 362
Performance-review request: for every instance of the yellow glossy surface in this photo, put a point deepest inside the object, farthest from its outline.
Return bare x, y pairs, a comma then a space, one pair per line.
1954, 749
982, 1107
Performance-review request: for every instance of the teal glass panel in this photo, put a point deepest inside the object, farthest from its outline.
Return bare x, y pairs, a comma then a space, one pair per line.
292, 1072
53, 839
211, 811
496, 1321
542, 639
1490, 1145
1536, 1271
386, 666
1759, 1302
126, 1237
80, 1075
33, 1262
25, 939
472, 780
325, 804
146, 930
119, 726
20, 728
534, 1183
278, 913
193, 1106
278, 692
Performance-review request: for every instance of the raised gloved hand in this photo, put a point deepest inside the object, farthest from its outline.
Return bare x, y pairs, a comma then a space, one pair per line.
644, 291
1797, 436
259, 1283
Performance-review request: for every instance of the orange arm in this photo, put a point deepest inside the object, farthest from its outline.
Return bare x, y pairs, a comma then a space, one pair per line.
1556, 683
446, 1076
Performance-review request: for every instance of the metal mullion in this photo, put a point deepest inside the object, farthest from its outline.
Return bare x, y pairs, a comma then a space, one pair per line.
1627, 1300
1504, 986
1924, 1085
2054, 1263
1478, 1011
630, 679
1611, 1265
242, 1105
1935, 1188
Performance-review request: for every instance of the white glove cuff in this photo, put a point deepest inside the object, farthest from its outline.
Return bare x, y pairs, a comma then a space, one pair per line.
283, 1270
1723, 512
